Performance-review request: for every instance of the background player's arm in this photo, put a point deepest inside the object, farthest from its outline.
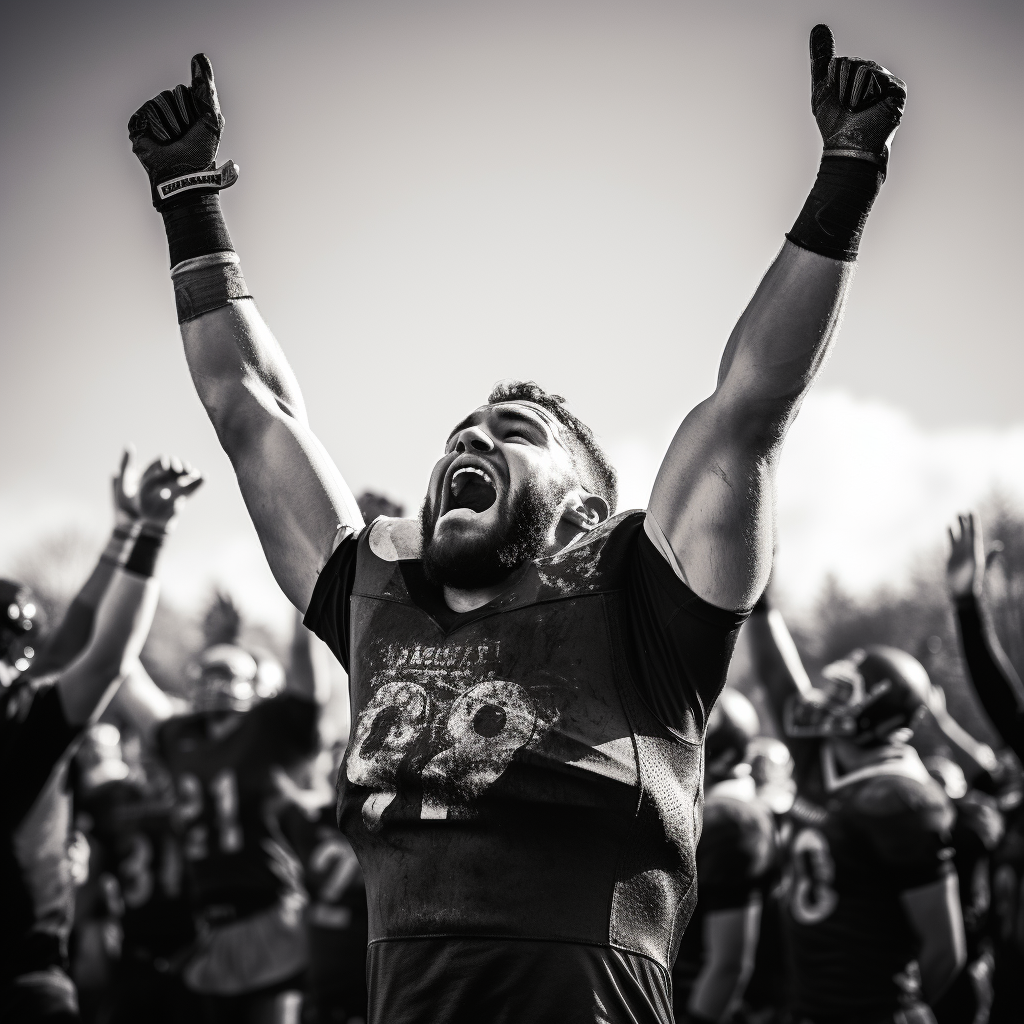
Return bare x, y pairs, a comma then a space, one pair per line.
992, 674
713, 500
306, 678
776, 658
730, 945
126, 610
70, 637
935, 915
142, 703
294, 492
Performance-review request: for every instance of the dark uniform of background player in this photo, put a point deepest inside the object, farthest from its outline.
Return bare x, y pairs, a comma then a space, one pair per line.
1002, 696
228, 758
128, 813
530, 678
976, 834
736, 856
873, 910
40, 719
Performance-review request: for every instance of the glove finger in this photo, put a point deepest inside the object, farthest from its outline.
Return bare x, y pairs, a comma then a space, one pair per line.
865, 88
184, 105
204, 89
147, 122
823, 49
165, 104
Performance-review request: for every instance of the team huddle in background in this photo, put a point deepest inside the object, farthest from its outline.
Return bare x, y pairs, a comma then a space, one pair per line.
549, 806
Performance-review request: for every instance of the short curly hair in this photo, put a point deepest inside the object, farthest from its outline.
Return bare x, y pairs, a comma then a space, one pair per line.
597, 474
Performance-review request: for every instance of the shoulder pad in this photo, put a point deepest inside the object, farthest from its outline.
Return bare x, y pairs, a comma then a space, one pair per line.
908, 820
886, 796
395, 540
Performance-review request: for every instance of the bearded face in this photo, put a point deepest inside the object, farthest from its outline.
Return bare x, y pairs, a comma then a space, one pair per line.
496, 496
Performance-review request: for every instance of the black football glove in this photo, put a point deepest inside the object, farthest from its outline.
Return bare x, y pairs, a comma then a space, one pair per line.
176, 136
857, 103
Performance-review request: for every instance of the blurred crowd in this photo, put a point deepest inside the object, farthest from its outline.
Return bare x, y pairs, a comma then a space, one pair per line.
176, 857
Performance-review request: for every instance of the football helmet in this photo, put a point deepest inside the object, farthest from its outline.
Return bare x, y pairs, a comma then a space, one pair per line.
864, 697
732, 724
229, 678
21, 622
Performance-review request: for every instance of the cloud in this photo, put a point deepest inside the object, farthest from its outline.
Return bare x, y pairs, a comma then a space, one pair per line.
862, 488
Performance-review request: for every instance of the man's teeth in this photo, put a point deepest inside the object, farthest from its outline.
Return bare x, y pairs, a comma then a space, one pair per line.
470, 469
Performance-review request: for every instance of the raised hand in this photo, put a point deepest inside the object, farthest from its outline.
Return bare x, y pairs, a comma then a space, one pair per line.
164, 488
965, 570
125, 487
857, 103
176, 136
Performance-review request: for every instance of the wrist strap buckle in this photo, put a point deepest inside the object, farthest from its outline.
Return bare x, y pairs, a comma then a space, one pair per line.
223, 177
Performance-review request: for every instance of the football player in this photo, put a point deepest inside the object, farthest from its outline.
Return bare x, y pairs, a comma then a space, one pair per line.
530, 674
1002, 696
129, 813
873, 908
248, 726
735, 857
40, 720
977, 833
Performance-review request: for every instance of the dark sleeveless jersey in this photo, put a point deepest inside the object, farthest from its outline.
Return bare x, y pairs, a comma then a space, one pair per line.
36, 890
131, 823
228, 795
526, 822
736, 858
882, 830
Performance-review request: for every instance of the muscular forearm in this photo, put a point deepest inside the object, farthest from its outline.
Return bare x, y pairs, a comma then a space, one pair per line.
994, 678
730, 942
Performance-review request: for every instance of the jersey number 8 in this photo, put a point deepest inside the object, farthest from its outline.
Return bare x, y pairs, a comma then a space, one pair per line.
814, 873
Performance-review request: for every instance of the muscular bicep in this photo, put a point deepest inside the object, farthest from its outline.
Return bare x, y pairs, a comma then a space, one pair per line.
715, 492
295, 495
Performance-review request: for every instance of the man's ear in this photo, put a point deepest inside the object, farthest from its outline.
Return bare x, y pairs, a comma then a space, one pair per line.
586, 510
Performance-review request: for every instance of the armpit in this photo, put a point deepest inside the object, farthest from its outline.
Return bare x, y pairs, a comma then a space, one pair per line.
660, 541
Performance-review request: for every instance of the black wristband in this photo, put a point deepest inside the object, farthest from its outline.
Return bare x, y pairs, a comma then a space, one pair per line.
142, 560
837, 208
195, 227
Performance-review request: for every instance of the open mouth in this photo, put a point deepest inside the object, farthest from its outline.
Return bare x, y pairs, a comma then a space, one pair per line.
472, 488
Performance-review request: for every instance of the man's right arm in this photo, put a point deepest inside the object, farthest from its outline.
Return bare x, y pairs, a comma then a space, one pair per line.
298, 501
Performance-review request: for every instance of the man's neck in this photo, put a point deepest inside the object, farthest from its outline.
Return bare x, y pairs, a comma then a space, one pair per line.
463, 601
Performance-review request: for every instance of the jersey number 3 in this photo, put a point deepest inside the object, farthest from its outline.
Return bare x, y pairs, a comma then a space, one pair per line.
814, 873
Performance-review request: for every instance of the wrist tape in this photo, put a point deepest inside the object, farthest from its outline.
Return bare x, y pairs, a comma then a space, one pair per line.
206, 283
142, 560
120, 545
832, 220
195, 226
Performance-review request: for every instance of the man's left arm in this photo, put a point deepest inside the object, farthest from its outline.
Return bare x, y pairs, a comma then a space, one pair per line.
713, 501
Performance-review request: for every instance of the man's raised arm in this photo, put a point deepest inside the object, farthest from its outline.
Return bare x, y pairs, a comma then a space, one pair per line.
713, 501
295, 495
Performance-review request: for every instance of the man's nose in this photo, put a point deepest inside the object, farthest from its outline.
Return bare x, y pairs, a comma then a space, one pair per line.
473, 439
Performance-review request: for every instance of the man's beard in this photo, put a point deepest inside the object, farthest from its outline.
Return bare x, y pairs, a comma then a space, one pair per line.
520, 535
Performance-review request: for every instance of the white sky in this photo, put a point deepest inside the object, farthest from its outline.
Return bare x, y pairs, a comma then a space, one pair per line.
438, 195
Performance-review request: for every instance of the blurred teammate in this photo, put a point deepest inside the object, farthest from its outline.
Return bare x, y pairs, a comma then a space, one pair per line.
873, 911
249, 725
41, 718
530, 677
978, 831
130, 817
735, 857
1002, 696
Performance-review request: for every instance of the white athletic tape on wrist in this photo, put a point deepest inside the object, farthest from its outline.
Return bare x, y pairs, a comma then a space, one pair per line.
223, 177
